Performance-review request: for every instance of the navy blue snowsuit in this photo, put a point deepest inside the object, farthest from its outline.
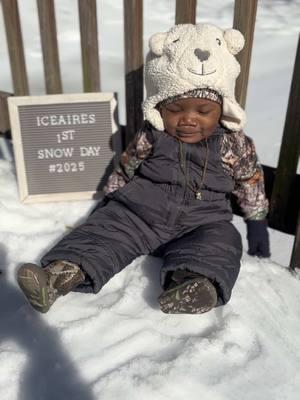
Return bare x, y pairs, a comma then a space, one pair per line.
157, 213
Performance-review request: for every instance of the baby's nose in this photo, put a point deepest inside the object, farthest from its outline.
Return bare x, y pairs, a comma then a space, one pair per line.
202, 55
188, 118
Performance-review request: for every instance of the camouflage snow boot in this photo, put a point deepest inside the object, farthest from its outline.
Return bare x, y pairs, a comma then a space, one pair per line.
42, 286
188, 293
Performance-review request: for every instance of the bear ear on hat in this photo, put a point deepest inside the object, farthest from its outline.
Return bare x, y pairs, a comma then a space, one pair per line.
156, 43
235, 40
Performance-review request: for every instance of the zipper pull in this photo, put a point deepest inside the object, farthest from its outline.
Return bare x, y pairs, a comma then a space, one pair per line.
198, 195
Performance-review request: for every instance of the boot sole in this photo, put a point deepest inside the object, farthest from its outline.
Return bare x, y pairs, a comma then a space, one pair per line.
33, 282
196, 296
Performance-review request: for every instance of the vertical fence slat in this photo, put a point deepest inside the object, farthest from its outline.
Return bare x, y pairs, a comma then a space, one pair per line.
185, 11
15, 46
133, 25
49, 46
4, 119
89, 45
289, 152
295, 259
244, 21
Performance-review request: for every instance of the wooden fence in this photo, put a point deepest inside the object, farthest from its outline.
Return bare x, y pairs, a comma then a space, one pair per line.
283, 187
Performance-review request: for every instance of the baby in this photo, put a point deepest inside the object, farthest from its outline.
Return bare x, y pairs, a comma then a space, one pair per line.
170, 196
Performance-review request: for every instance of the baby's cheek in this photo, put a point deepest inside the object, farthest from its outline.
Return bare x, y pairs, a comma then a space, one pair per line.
211, 126
170, 131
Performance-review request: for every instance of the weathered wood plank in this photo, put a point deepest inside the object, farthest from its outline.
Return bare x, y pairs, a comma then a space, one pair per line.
15, 46
89, 45
4, 118
295, 259
289, 152
185, 11
244, 21
133, 25
47, 22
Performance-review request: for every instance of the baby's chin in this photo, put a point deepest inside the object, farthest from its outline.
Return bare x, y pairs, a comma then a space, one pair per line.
190, 138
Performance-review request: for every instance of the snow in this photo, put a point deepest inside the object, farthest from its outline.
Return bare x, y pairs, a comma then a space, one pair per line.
117, 344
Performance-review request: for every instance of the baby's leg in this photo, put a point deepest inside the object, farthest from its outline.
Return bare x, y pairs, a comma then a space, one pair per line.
212, 251
111, 238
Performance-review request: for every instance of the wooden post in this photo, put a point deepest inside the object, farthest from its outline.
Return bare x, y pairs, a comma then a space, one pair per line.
89, 45
244, 21
15, 46
185, 12
133, 24
4, 118
49, 46
295, 259
289, 152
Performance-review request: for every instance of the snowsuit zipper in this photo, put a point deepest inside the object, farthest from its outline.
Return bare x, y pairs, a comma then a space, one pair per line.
184, 159
184, 168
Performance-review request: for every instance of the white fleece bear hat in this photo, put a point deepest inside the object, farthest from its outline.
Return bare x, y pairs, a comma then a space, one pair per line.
190, 57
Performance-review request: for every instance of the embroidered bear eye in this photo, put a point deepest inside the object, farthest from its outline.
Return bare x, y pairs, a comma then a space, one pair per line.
175, 41
218, 41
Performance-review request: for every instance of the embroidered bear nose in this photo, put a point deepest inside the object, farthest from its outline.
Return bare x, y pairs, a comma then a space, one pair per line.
202, 55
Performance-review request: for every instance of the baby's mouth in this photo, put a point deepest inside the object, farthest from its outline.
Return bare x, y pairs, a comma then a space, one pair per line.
187, 132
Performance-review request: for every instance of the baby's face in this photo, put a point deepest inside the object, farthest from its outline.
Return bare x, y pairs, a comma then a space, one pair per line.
191, 120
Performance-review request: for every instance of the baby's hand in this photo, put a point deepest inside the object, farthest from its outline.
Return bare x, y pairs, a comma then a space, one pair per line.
258, 238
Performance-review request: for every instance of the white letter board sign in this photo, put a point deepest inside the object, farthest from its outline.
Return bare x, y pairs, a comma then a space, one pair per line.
65, 146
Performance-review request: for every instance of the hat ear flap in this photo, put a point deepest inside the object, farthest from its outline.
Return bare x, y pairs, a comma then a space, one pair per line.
235, 40
156, 43
233, 116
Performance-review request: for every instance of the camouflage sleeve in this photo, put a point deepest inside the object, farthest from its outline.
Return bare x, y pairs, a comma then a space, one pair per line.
137, 150
240, 160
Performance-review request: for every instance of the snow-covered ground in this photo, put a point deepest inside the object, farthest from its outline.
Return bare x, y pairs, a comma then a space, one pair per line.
117, 344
